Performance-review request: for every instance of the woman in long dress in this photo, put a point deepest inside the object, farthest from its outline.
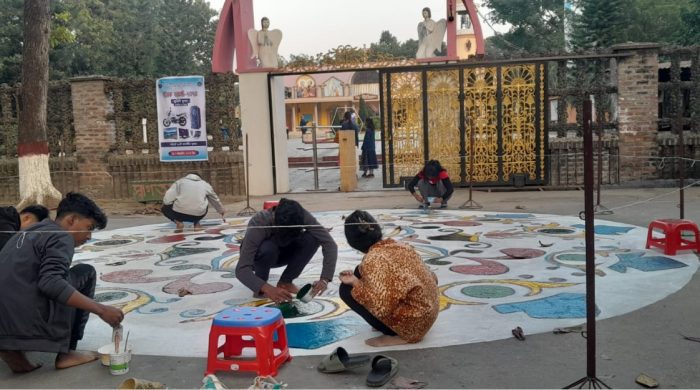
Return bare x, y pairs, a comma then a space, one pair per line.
368, 160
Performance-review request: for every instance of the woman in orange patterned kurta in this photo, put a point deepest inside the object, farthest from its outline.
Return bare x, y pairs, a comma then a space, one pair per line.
391, 289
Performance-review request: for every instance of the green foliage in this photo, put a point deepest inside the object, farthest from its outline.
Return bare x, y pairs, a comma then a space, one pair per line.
601, 23
364, 110
536, 25
10, 40
123, 38
389, 45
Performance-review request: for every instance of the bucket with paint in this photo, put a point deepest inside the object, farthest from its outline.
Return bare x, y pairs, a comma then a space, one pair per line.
119, 362
107, 349
431, 199
304, 293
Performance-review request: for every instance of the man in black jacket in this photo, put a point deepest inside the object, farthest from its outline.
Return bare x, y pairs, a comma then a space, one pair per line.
45, 303
284, 236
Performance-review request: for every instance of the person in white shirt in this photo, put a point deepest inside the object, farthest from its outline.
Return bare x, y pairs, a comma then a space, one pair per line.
188, 199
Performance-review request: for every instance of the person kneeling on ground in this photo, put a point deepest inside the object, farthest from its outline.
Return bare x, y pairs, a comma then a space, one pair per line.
392, 289
285, 235
45, 303
11, 221
432, 182
188, 199
32, 214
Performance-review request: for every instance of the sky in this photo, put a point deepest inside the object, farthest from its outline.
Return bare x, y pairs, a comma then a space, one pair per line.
316, 26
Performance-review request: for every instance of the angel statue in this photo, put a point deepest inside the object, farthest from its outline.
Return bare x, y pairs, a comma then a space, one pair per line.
430, 35
265, 44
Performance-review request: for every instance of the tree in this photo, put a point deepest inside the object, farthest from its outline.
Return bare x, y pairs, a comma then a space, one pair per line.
601, 23
32, 147
537, 26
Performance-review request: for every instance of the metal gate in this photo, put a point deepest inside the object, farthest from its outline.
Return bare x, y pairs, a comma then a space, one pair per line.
487, 122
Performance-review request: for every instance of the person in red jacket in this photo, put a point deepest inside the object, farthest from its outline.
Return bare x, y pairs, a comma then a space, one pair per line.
432, 182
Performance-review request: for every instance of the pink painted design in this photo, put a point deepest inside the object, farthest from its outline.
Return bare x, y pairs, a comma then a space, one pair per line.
167, 239
485, 267
132, 276
180, 281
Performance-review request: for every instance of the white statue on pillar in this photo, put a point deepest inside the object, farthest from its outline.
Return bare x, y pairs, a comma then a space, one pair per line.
265, 44
430, 35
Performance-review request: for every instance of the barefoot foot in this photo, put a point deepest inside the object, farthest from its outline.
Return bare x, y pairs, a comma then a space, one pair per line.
198, 227
18, 362
385, 341
74, 358
291, 287
179, 227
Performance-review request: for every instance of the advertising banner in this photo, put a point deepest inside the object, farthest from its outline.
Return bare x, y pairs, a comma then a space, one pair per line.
182, 130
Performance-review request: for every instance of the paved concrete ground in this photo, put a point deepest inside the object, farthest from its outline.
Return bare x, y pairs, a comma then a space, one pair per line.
647, 340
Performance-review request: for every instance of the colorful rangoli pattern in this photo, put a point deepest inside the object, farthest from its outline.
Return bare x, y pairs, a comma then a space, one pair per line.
496, 271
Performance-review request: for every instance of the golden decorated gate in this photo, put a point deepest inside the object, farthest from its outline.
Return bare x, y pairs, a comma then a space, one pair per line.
436, 112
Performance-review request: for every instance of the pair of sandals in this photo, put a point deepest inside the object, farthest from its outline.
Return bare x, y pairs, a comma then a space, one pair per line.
368, 175
383, 368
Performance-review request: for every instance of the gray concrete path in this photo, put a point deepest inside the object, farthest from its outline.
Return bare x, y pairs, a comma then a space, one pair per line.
645, 341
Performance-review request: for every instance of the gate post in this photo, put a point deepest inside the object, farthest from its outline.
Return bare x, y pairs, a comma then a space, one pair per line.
637, 100
94, 135
347, 159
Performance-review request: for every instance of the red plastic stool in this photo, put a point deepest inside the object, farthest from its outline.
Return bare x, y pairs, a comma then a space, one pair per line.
672, 240
260, 323
270, 204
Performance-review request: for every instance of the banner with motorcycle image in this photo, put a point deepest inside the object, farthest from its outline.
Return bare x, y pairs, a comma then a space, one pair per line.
182, 130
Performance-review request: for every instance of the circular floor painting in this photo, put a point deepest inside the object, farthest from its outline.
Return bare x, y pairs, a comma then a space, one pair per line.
496, 271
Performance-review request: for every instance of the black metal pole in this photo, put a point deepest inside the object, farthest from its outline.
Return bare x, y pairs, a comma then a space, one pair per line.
681, 155
247, 210
470, 204
590, 378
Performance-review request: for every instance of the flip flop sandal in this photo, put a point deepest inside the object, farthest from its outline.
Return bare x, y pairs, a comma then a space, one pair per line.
518, 333
339, 361
383, 369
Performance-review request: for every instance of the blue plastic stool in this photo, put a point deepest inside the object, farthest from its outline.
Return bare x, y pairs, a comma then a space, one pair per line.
260, 323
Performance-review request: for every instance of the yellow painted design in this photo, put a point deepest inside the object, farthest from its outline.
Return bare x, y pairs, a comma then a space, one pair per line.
130, 306
339, 308
535, 287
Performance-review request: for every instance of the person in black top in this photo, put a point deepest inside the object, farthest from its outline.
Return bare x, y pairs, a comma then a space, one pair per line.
432, 182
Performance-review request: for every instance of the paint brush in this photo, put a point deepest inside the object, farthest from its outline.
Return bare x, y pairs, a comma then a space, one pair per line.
126, 342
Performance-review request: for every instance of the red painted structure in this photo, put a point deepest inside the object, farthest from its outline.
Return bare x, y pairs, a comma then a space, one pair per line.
236, 19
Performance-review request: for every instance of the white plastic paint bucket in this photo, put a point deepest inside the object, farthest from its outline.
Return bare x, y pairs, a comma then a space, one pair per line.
119, 363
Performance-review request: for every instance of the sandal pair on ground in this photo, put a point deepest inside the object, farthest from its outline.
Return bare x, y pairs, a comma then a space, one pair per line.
383, 368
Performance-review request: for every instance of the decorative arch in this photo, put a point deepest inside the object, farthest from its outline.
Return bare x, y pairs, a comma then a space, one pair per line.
236, 19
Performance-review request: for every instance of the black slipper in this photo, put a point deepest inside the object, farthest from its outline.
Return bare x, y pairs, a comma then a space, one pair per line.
383, 369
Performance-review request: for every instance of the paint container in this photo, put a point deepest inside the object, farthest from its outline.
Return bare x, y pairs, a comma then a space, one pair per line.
431, 199
119, 362
136, 383
304, 293
288, 310
105, 350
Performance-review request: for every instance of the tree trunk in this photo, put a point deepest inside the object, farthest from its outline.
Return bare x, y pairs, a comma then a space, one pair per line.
32, 147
